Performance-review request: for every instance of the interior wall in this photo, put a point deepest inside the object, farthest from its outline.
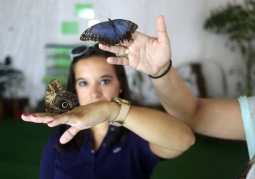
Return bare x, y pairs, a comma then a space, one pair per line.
27, 26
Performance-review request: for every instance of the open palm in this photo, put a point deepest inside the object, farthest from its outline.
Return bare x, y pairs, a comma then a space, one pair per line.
147, 54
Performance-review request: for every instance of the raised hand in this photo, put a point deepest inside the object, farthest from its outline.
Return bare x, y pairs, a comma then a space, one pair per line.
147, 54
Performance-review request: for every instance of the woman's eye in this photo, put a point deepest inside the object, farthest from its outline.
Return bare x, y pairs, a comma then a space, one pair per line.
104, 82
82, 83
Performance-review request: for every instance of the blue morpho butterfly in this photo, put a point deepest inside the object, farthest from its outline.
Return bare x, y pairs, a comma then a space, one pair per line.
111, 32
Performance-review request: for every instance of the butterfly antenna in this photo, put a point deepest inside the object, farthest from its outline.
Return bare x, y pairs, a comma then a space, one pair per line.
104, 16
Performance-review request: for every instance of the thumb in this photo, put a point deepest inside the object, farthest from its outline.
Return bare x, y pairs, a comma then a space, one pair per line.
161, 29
68, 135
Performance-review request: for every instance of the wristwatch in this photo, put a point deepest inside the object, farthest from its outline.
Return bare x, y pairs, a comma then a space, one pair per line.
124, 108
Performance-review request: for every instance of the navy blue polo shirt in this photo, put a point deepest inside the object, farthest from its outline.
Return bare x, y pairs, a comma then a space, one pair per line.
130, 158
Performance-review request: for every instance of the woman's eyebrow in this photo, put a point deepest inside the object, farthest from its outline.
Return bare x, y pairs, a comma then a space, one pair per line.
103, 76
106, 76
79, 79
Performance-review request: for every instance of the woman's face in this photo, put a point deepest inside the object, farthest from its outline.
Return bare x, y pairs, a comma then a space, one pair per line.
96, 80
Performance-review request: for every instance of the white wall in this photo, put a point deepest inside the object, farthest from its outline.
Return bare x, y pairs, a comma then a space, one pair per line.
27, 25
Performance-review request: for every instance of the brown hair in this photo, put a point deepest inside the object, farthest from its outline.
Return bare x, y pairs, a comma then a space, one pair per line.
82, 136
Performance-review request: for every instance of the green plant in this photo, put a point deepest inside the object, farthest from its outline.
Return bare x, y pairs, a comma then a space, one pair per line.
11, 79
237, 21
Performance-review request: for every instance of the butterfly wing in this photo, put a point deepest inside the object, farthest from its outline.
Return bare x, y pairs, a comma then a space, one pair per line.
58, 100
101, 32
64, 101
124, 29
51, 92
111, 32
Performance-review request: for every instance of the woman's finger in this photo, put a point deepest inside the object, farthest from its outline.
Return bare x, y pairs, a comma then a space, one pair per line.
119, 50
122, 54
61, 119
68, 135
37, 117
118, 60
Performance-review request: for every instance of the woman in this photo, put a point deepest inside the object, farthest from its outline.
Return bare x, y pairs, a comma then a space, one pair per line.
98, 149
221, 118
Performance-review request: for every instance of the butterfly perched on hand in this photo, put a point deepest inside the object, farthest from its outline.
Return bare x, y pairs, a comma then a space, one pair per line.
58, 100
111, 32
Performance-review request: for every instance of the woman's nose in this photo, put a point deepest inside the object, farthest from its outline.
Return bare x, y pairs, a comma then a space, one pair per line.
95, 91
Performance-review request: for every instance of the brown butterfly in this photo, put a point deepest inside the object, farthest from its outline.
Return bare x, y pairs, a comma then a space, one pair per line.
58, 100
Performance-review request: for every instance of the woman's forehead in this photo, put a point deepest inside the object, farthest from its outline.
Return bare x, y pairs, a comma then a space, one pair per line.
92, 64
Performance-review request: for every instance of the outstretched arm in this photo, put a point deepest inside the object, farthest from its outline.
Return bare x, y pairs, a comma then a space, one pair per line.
168, 136
212, 117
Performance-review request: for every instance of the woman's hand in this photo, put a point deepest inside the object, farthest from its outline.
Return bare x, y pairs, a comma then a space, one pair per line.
79, 118
146, 54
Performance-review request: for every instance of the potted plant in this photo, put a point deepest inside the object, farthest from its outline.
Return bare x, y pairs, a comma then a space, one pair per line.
11, 80
237, 22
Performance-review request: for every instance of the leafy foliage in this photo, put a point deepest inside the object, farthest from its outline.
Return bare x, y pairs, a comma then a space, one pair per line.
237, 21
